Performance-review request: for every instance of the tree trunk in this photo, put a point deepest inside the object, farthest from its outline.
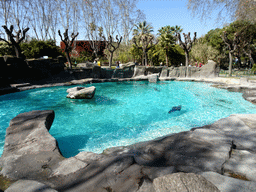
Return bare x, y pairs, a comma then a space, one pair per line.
69, 60
166, 60
110, 59
146, 59
239, 62
251, 60
17, 51
230, 64
187, 61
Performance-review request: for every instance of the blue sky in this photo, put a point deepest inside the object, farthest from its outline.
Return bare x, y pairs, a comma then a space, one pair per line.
161, 13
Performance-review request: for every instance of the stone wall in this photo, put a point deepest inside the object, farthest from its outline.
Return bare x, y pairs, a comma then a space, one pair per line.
13, 68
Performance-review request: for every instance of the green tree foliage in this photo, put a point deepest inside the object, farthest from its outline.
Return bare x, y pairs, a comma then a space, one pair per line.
176, 29
82, 58
177, 56
166, 40
254, 67
37, 49
5, 49
144, 39
213, 38
122, 54
202, 52
136, 53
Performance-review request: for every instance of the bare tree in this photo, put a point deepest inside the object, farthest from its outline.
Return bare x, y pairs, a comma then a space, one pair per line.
91, 17
15, 40
95, 35
19, 14
145, 45
43, 18
186, 45
68, 44
5, 7
129, 15
112, 46
229, 9
232, 47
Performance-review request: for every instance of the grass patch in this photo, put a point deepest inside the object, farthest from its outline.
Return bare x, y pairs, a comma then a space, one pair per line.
5, 182
238, 176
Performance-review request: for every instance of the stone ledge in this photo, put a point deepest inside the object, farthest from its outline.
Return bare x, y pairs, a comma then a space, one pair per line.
227, 147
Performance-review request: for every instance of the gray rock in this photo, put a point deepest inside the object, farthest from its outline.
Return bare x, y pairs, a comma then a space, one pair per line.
81, 65
89, 156
240, 128
74, 89
229, 184
67, 166
154, 172
209, 70
244, 80
125, 65
186, 151
146, 186
29, 149
183, 182
81, 92
241, 164
182, 71
29, 186
152, 78
164, 72
175, 72
139, 70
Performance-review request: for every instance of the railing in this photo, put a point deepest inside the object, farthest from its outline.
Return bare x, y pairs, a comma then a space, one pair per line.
237, 73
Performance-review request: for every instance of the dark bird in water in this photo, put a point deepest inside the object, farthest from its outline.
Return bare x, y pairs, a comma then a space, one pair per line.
156, 89
176, 108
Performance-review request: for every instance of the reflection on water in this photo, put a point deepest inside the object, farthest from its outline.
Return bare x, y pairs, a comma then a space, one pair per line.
96, 100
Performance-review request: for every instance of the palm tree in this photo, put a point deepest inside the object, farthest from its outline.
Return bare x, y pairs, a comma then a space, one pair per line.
142, 35
176, 29
166, 40
143, 29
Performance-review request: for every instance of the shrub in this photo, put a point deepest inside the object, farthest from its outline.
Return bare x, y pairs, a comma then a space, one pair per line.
254, 67
36, 49
5, 49
82, 58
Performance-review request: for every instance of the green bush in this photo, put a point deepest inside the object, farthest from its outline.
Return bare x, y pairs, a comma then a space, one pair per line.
254, 67
82, 58
36, 49
5, 49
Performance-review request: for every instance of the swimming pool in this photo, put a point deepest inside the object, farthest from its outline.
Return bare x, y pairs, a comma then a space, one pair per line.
122, 113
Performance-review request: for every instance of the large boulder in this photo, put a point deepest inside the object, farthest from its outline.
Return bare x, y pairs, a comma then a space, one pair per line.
183, 182
153, 78
29, 186
164, 72
29, 149
229, 184
174, 72
139, 70
81, 92
209, 70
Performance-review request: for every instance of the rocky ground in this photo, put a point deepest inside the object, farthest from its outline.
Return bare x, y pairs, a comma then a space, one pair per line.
216, 157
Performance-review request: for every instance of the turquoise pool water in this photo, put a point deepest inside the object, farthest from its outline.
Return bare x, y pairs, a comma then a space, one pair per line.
123, 113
